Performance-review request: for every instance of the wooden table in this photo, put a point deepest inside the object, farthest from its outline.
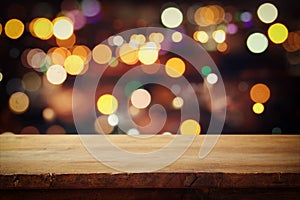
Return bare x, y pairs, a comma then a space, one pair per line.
239, 166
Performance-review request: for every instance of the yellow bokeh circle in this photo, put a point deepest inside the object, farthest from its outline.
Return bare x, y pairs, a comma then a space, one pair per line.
278, 33
107, 104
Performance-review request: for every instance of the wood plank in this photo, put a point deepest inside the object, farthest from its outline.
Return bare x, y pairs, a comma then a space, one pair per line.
237, 161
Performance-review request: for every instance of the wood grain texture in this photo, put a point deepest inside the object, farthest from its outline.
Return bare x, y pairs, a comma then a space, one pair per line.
237, 161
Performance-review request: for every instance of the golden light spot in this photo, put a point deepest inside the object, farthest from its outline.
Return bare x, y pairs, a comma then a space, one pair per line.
0, 28
209, 15
260, 93
175, 67
177, 102
140, 98
14, 28
202, 36
83, 51
102, 54
18, 102
222, 47
156, 37
190, 126
258, 108
107, 104
68, 43
137, 40
49, 114
171, 17
102, 126
278, 33
74, 65
128, 55
148, 53
176, 36
31, 81
43, 28
56, 74
59, 55
62, 28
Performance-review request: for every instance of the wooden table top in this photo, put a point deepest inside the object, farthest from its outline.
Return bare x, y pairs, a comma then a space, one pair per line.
61, 161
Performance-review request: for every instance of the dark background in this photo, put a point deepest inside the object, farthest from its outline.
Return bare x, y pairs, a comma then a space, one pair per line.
275, 67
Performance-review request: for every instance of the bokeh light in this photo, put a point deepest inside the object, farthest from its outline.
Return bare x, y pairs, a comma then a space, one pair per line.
157, 37
176, 36
232, 29
14, 28
292, 43
171, 17
219, 36
212, 78
246, 16
82, 51
102, 54
107, 104
175, 67
276, 130
190, 126
118, 40
73, 65
205, 70
260, 93
128, 54
56, 74
140, 98
209, 15
102, 125
267, 13
133, 131
257, 42
67, 43
278, 33
43, 28
202, 36
48, 114
18, 102
90, 8
148, 53
31, 82
62, 28
113, 120
258, 108
222, 47
177, 102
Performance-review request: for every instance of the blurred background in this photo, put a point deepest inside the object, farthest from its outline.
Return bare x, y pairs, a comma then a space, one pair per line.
45, 45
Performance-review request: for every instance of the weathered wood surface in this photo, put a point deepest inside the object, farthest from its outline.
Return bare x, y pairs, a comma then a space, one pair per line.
237, 161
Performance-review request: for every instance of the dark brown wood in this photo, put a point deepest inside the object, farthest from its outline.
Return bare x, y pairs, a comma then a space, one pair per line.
238, 164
